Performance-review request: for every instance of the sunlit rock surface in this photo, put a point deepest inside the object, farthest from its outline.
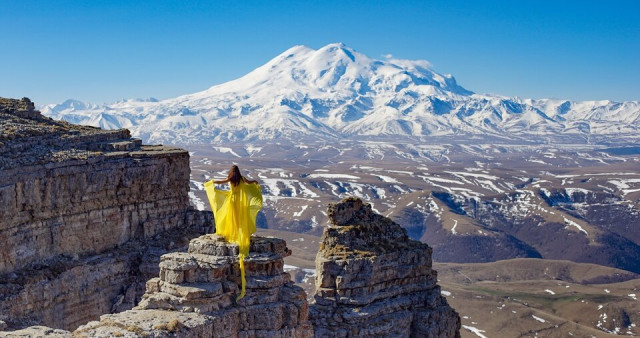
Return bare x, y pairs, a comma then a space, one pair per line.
85, 214
372, 280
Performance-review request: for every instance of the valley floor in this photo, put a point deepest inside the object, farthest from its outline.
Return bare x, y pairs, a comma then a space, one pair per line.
517, 297
515, 217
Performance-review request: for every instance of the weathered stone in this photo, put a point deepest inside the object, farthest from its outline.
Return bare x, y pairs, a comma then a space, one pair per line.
80, 213
273, 305
149, 323
372, 280
266, 307
37, 331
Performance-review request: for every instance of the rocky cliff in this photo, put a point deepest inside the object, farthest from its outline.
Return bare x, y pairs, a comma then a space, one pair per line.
195, 296
89, 215
72, 190
372, 280
83, 216
204, 283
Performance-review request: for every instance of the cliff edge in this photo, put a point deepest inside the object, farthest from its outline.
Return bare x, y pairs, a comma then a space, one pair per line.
85, 214
195, 296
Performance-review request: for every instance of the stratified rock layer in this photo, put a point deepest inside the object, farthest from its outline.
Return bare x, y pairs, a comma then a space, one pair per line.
195, 296
372, 280
74, 190
82, 215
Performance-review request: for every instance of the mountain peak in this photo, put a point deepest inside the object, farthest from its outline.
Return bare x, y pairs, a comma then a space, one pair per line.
337, 68
335, 91
295, 50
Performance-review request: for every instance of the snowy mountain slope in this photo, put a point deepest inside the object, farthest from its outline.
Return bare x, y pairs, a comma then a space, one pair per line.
337, 92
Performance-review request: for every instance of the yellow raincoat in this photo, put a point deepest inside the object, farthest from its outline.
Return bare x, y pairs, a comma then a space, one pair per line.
235, 212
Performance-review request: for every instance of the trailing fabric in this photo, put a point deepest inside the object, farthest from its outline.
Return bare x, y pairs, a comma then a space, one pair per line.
235, 213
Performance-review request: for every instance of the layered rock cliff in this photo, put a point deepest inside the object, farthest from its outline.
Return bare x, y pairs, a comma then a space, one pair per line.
72, 190
83, 216
372, 280
195, 296
202, 285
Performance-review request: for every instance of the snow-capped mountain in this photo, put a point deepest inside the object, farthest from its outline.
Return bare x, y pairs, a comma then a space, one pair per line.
337, 92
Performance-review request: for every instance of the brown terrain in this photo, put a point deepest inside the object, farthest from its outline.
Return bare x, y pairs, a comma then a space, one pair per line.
500, 299
518, 220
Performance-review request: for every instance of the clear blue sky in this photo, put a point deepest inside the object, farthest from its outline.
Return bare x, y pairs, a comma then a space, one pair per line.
102, 51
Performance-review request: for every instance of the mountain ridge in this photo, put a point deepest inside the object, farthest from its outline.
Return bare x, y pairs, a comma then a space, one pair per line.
337, 92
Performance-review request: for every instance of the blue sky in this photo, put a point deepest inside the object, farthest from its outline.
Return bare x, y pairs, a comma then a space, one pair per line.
102, 51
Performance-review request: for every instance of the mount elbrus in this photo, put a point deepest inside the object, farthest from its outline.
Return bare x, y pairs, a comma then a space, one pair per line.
337, 93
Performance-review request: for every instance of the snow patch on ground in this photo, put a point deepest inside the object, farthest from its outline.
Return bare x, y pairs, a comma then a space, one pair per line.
626, 185
571, 191
299, 213
475, 175
226, 150
330, 176
538, 319
574, 224
281, 187
387, 179
474, 330
439, 180
198, 185
197, 202
309, 273
253, 150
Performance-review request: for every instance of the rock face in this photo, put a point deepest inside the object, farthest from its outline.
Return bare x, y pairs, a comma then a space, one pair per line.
71, 190
195, 296
82, 211
372, 280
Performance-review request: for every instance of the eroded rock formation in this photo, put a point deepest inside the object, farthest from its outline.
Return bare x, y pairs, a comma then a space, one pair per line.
83, 216
202, 285
195, 296
372, 280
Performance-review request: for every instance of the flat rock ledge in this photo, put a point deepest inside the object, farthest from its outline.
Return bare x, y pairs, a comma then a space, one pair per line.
372, 280
195, 296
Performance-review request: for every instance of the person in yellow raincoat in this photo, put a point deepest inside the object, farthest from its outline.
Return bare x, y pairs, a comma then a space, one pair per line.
235, 212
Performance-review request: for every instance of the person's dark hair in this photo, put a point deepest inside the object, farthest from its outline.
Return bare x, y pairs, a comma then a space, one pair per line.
234, 175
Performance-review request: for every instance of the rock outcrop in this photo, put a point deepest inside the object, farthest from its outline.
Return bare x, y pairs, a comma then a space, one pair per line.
206, 280
83, 213
372, 280
76, 190
195, 296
